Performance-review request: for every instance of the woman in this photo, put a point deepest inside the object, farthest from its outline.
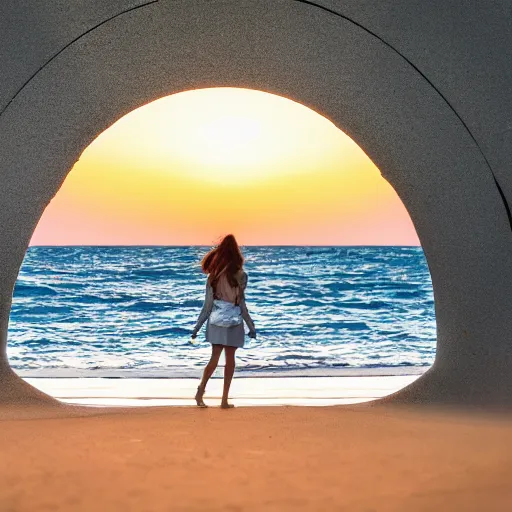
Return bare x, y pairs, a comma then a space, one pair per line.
224, 307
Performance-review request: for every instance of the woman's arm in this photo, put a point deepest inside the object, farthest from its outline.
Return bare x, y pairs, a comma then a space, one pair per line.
243, 306
207, 308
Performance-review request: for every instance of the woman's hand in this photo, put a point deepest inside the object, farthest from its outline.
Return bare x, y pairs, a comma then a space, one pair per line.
252, 334
194, 335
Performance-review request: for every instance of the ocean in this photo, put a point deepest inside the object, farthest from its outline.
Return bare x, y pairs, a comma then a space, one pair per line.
129, 311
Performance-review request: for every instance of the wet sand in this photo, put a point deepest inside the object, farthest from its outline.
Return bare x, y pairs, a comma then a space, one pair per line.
354, 458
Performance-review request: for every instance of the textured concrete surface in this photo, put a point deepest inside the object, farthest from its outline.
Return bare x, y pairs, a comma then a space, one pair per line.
423, 88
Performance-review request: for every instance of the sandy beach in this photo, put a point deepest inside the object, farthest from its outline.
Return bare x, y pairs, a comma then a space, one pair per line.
247, 391
357, 458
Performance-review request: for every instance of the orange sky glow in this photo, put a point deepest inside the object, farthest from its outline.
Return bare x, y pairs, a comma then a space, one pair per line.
191, 167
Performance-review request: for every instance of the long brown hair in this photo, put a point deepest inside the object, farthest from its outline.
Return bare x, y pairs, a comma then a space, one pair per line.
226, 257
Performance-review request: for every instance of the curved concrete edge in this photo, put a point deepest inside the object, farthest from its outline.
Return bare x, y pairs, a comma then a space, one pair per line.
21, 401
14, 391
474, 79
447, 389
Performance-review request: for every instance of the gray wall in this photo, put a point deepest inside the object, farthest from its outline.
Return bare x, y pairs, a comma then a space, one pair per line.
422, 87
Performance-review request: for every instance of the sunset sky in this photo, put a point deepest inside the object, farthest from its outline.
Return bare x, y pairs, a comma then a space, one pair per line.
191, 167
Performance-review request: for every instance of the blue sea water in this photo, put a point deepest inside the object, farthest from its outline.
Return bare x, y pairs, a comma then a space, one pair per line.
133, 308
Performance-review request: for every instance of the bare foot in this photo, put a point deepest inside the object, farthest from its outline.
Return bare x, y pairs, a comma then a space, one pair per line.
199, 397
226, 405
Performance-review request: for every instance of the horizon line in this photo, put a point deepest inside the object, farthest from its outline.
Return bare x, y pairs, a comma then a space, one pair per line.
210, 245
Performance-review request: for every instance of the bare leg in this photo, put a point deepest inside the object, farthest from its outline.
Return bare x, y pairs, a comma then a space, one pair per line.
208, 372
229, 370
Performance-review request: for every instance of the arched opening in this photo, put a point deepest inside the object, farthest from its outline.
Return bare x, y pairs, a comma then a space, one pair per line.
324, 61
340, 289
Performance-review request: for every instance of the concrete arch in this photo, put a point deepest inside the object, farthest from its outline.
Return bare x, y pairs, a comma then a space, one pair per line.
329, 64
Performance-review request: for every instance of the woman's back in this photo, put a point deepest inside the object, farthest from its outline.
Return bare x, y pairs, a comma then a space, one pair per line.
224, 290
